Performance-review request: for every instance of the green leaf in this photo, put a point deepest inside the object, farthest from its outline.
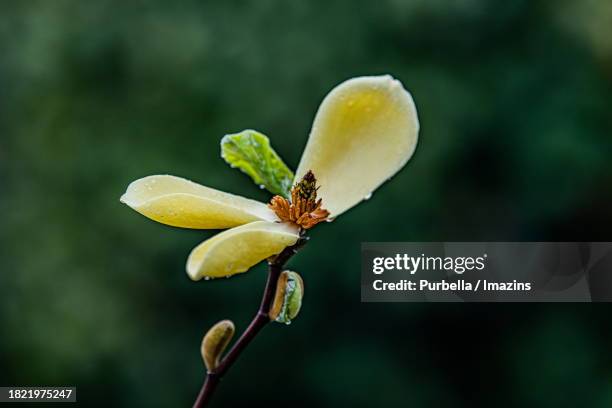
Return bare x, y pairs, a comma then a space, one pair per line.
250, 151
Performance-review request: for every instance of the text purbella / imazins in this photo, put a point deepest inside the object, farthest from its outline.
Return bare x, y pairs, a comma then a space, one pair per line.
457, 265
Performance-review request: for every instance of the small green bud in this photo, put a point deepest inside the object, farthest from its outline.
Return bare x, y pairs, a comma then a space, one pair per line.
288, 297
215, 341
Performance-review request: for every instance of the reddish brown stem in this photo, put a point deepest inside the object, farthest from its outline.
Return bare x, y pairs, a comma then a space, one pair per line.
275, 267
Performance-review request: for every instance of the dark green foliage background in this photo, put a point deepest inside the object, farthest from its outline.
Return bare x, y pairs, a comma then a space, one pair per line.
515, 105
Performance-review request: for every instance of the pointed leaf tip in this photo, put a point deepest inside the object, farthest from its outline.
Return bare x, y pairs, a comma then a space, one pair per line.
250, 151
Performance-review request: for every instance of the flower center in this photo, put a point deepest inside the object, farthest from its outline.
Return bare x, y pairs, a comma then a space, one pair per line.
304, 209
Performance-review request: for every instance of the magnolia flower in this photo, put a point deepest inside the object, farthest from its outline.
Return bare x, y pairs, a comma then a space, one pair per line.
363, 133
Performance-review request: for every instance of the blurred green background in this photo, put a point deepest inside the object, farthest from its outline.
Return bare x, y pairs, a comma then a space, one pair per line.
515, 105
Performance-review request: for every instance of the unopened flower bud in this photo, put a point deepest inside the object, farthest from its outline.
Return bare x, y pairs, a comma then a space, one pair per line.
288, 297
215, 341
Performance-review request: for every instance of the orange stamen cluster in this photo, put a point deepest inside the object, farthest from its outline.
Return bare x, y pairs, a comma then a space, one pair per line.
304, 209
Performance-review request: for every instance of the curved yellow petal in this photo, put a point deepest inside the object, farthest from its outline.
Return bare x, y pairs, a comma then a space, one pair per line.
182, 203
364, 132
236, 250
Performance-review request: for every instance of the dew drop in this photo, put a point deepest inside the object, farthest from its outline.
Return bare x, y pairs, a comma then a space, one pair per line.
331, 219
288, 322
261, 186
207, 278
368, 196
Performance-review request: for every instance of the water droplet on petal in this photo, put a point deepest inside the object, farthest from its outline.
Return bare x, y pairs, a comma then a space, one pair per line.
288, 322
368, 196
207, 278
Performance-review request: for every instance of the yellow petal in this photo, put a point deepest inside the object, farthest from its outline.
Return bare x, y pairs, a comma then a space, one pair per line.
236, 250
364, 132
182, 203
